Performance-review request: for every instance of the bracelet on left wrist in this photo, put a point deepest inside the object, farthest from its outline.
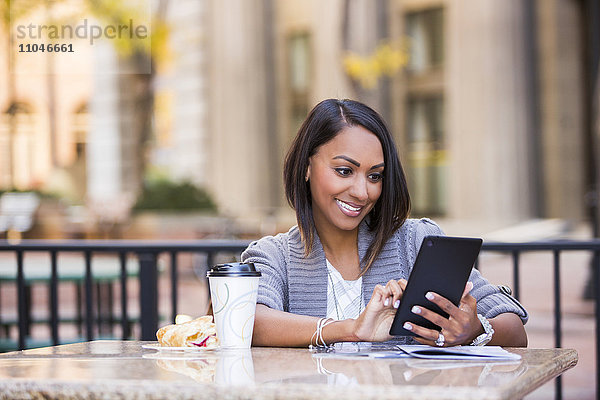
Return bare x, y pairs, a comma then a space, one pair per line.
487, 334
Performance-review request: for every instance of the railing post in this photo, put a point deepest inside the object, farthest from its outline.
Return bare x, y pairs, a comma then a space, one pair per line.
148, 295
54, 297
557, 318
174, 281
89, 295
596, 275
210, 262
124, 317
516, 280
21, 301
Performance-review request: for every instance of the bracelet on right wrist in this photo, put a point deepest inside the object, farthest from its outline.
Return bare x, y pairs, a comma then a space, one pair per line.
320, 343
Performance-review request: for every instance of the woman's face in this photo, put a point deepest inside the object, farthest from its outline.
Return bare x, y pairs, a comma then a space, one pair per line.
346, 176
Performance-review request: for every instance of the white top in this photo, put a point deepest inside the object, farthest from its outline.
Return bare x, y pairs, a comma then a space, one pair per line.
344, 298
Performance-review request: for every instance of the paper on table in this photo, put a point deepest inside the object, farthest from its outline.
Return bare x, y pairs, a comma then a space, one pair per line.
459, 352
384, 350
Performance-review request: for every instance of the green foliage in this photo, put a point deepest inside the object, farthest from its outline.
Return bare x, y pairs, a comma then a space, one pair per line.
163, 194
118, 12
41, 194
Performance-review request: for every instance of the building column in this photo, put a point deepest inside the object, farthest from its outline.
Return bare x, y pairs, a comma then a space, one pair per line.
239, 146
487, 113
105, 185
562, 107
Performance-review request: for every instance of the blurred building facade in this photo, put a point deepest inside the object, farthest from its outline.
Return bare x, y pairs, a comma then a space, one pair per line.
488, 113
43, 124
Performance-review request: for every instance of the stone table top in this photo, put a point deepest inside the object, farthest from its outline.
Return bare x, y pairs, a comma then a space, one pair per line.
123, 369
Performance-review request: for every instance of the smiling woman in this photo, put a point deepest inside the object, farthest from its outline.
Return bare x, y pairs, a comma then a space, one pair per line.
343, 190
340, 273
324, 123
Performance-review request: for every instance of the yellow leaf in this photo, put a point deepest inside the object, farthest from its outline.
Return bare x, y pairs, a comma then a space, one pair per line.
387, 59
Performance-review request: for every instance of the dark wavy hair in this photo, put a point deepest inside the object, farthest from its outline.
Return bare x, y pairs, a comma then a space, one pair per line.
323, 123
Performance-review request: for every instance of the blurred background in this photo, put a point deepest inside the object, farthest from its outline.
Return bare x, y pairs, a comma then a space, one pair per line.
494, 106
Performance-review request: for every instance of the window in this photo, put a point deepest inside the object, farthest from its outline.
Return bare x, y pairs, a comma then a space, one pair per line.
77, 170
17, 142
299, 78
425, 30
427, 155
425, 126
80, 129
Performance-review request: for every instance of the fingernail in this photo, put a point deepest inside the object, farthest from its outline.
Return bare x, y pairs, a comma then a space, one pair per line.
386, 302
416, 309
429, 296
407, 326
397, 304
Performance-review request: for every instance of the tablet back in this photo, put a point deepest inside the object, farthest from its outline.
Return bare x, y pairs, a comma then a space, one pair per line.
443, 266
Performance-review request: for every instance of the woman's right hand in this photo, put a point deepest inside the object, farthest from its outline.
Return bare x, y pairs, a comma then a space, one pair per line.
373, 324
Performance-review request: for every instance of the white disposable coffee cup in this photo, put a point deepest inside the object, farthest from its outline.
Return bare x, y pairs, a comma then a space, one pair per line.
233, 292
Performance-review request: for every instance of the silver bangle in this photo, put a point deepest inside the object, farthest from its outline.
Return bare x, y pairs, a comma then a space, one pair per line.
321, 323
487, 334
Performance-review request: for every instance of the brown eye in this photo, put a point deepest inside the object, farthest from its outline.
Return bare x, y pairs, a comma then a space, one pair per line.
376, 177
343, 171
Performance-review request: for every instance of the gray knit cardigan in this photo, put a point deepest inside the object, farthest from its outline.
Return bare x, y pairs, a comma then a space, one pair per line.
297, 284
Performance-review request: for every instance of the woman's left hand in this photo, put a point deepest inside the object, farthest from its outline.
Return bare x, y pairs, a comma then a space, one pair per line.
461, 326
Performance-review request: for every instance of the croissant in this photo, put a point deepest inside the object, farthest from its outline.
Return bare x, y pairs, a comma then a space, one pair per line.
199, 332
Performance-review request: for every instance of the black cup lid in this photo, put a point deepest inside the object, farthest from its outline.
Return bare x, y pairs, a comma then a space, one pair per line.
233, 269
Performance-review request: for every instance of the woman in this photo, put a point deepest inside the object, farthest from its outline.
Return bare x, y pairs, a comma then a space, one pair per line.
340, 273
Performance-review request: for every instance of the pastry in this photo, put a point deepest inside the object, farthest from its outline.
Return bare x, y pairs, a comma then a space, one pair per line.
199, 332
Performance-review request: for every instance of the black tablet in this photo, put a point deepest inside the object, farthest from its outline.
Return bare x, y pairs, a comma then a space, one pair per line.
443, 266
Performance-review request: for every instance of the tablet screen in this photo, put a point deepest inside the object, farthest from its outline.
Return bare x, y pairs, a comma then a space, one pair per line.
443, 266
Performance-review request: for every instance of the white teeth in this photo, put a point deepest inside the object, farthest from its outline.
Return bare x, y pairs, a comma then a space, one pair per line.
347, 206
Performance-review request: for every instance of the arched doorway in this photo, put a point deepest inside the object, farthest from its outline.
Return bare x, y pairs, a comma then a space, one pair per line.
17, 143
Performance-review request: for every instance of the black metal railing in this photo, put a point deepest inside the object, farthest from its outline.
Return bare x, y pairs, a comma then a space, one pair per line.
148, 251
556, 248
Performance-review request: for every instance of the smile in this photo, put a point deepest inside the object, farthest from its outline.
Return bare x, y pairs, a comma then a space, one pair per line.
349, 210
